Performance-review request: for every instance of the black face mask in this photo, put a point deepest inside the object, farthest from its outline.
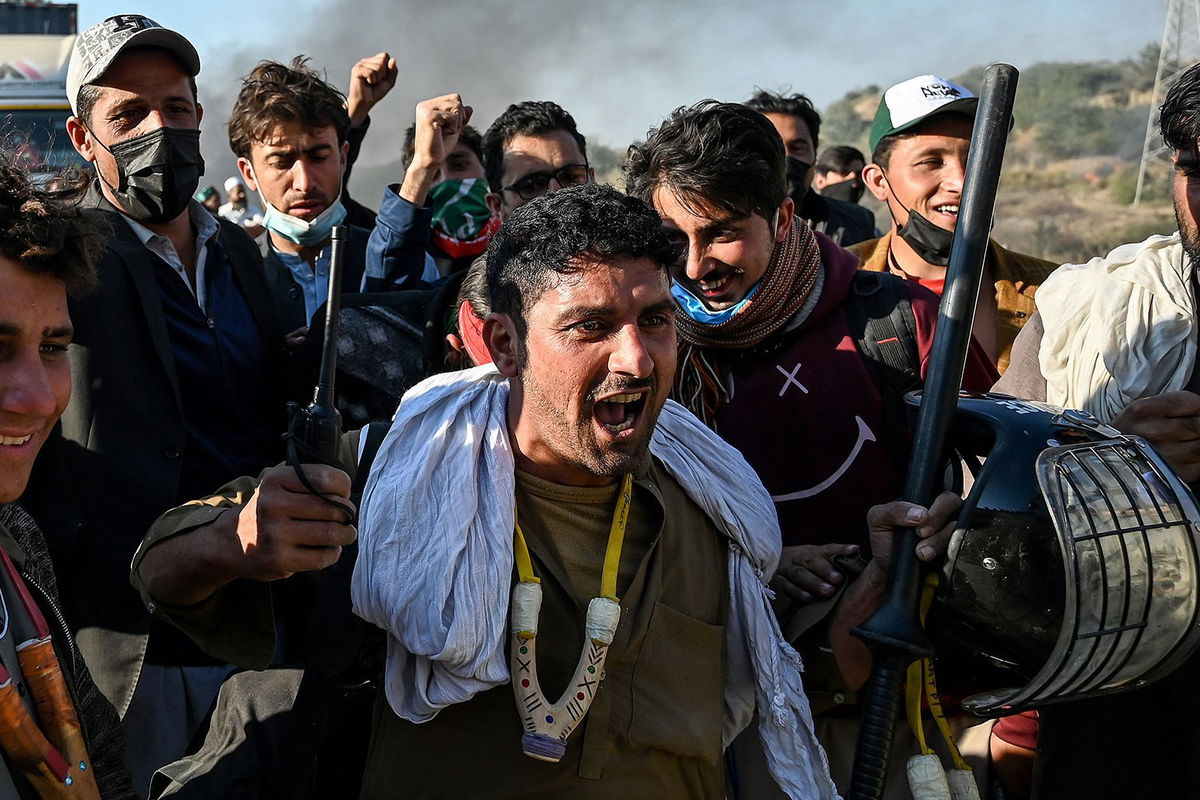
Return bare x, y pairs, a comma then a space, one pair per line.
797, 171
847, 191
929, 241
158, 173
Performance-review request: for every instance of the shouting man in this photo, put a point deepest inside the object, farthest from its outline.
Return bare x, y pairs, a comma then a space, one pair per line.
575, 479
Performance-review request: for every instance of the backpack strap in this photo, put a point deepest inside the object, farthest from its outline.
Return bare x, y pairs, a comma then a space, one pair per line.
373, 437
881, 319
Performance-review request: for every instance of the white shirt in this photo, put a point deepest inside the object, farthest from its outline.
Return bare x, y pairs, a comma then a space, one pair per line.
247, 216
206, 227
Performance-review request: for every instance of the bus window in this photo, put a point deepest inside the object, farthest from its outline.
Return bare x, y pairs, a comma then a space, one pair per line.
38, 139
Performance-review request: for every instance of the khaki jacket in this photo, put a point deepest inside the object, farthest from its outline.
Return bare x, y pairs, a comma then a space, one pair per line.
1017, 278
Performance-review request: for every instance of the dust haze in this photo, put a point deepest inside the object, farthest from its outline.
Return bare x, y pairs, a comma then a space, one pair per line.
620, 66
591, 58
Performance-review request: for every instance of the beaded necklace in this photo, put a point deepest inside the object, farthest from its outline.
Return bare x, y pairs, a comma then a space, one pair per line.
547, 725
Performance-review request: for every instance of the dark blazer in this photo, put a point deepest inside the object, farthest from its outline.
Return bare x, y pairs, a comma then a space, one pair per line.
846, 223
113, 465
286, 294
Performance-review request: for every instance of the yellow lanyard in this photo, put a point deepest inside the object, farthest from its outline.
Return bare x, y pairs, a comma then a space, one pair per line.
612, 556
922, 682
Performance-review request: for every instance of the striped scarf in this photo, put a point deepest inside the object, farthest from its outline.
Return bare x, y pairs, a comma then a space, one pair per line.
701, 382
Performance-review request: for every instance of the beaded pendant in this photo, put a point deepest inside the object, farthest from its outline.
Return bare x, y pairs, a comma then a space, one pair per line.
547, 725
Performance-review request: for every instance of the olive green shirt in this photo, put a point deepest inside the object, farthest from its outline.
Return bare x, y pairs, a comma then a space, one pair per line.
654, 729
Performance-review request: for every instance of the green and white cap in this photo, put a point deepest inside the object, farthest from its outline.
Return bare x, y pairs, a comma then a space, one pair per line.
910, 103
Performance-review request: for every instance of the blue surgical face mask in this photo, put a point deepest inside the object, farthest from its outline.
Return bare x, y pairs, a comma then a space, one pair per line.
301, 231
694, 307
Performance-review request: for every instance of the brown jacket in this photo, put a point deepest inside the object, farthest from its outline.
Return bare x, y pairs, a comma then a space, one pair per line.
1017, 279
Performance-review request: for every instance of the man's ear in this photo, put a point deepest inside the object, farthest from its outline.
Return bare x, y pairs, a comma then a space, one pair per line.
345, 160
787, 211
500, 336
247, 173
79, 138
456, 352
875, 180
494, 204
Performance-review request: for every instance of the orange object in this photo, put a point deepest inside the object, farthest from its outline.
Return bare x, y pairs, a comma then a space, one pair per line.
51, 755
30, 751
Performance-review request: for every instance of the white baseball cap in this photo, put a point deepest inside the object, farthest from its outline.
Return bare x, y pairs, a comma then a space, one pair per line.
910, 103
98, 46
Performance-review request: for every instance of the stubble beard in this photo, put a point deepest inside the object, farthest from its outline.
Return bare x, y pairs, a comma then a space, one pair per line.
1190, 236
574, 441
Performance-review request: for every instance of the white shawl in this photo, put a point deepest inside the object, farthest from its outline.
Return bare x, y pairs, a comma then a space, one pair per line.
436, 558
1118, 328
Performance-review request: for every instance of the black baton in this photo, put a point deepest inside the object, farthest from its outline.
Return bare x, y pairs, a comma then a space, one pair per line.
894, 633
318, 427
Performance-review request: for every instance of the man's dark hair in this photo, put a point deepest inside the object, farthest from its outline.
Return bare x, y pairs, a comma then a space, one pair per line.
530, 118
43, 230
838, 159
794, 105
474, 289
563, 232
1179, 115
712, 156
274, 94
468, 136
89, 93
883, 150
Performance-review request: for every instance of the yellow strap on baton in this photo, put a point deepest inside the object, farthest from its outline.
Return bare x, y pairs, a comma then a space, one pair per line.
912, 696
922, 683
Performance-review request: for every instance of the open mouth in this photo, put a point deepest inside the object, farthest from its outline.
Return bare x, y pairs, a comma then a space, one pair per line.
949, 209
713, 288
619, 413
17, 446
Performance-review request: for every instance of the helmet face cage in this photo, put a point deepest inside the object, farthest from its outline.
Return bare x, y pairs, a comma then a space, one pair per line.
1129, 534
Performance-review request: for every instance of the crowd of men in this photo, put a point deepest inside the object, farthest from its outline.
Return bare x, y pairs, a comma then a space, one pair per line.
660, 431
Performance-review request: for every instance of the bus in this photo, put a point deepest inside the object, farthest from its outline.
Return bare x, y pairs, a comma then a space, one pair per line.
33, 101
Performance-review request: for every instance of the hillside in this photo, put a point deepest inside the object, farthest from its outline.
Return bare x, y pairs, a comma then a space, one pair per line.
1071, 165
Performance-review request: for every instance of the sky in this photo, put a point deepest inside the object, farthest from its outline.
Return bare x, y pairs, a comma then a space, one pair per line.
620, 66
